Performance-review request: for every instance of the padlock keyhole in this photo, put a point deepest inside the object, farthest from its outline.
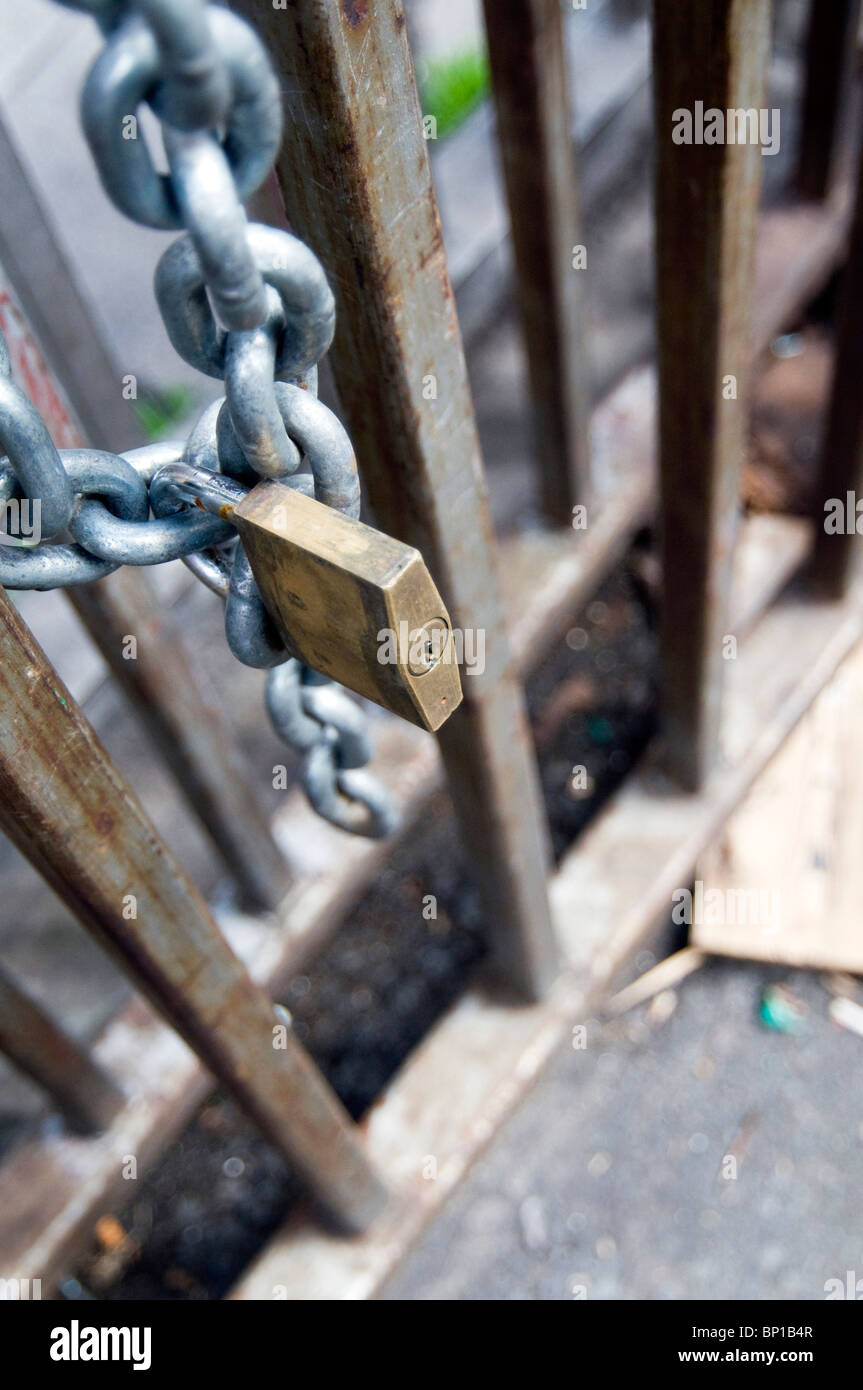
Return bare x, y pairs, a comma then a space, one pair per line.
428, 646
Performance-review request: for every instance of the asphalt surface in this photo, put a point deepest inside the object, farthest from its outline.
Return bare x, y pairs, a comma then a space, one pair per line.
612, 1181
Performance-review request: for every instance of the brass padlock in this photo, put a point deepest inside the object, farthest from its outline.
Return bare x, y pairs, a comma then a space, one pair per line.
352, 603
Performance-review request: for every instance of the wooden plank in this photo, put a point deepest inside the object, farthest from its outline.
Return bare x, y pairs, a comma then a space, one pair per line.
67, 809
828, 49
661, 977
440, 1111
840, 465
529, 83
787, 865
357, 187
714, 53
35, 1043
68, 1185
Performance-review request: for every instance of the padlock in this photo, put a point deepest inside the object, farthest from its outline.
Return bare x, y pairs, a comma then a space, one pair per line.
352, 603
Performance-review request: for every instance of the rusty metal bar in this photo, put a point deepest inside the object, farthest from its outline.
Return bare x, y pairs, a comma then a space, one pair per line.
35, 1044
45, 284
65, 806
840, 469
355, 178
827, 52
528, 67
187, 725
708, 55
182, 718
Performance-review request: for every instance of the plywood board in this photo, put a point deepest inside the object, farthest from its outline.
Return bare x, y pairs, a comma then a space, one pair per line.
789, 864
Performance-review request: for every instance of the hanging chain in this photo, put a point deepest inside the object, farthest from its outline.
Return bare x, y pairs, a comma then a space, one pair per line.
247, 304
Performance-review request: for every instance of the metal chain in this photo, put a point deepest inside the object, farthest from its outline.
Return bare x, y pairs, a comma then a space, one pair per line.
247, 304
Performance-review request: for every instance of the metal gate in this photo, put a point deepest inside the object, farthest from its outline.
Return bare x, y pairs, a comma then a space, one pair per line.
355, 183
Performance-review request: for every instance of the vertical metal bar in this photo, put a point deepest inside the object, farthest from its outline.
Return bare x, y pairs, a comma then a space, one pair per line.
185, 722
827, 49
528, 68
66, 807
179, 713
31, 1039
709, 56
45, 284
836, 558
355, 178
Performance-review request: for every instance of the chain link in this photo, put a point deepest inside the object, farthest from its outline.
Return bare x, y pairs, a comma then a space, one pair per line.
247, 304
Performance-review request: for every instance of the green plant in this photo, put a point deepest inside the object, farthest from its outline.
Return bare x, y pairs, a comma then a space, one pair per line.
452, 87
157, 412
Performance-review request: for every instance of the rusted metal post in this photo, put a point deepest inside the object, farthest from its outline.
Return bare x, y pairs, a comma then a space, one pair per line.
66, 807
528, 68
355, 178
182, 718
839, 484
827, 52
186, 724
35, 1044
710, 56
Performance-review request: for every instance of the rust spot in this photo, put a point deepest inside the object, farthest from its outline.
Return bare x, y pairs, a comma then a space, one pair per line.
356, 12
104, 822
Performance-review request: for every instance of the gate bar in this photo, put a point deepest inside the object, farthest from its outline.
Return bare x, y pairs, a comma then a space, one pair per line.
185, 722
66, 807
714, 53
529, 81
840, 464
827, 54
37, 1046
355, 177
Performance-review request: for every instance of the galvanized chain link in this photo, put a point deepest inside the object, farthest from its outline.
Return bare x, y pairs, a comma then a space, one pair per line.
247, 304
